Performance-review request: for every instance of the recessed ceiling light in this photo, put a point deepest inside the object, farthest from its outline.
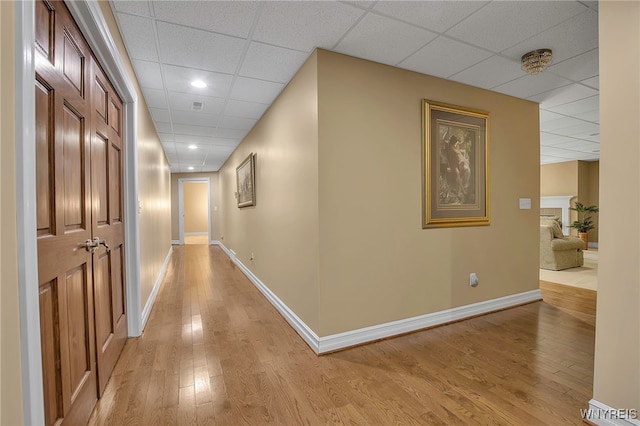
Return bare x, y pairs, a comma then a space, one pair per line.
199, 84
190, 167
192, 146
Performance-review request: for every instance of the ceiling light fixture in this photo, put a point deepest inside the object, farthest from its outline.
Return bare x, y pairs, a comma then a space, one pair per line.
199, 84
190, 167
536, 61
192, 146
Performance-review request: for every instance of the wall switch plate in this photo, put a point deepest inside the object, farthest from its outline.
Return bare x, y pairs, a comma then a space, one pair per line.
525, 203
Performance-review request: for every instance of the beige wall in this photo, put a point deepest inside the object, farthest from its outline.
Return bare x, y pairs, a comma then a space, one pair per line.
154, 181
559, 179
376, 262
617, 349
352, 149
10, 365
196, 207
215, 202
576, 178
282, 228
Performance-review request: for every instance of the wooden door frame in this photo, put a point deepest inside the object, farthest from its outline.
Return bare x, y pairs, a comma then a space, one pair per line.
92, 24
181, 182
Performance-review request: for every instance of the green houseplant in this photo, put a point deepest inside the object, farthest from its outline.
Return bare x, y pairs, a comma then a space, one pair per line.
585, 222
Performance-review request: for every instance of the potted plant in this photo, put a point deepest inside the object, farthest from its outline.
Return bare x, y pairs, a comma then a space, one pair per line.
584, 223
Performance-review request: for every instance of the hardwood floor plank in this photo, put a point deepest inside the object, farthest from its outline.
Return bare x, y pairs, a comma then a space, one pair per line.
214, 351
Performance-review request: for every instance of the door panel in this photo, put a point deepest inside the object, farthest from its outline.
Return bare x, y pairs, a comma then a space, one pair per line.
49, 322
106, 177
73, 142
81, 288
44, 152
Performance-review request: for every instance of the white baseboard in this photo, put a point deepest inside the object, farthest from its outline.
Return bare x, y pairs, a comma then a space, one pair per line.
344, 340
381, 331
192, 234
603, 415
154, 292
592, 245
176, 242
215, 243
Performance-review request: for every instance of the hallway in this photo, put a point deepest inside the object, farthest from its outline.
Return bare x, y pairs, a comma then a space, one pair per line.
216, 352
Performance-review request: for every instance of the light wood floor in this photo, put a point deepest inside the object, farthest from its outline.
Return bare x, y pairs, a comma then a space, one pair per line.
216, 352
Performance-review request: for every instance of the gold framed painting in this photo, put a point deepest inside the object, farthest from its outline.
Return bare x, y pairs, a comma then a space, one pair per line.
246, 182
455, 166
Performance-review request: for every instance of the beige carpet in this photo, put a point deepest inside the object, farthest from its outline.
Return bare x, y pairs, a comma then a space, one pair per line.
585, 276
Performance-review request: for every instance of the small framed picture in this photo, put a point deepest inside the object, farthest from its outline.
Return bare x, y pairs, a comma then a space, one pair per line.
246, 183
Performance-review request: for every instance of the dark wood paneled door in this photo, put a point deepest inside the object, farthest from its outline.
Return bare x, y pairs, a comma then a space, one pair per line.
79, 177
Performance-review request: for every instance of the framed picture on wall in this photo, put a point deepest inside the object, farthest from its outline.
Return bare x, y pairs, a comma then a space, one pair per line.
246, 183
455, 166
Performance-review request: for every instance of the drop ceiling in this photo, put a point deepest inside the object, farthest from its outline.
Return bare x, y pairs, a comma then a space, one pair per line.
247, 51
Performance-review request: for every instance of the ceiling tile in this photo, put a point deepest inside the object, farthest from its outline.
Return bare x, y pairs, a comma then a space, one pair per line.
584, 129
184, 129
436, 58
148, 73
383, 40
546, 116
245, 109
563, 95
199, 49
490, 73
583, 105
163, 127
571, 38
227, 17
578, 68
237, 123
252, 90
592, 82
160, 115
139, 37
166, 137
550, 139
229, 133
437, 16
561, 123
271, 63
194, 118
592, 116
501, 24
305, 25
138, 7
580, 145
226, 142
155, 98
184, 102
179, 80
529, 85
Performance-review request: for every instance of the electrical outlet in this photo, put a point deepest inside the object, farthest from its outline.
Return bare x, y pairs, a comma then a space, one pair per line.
473, 280
252, 256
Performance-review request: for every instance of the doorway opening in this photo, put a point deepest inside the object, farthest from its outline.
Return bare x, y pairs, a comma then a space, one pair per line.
194, 210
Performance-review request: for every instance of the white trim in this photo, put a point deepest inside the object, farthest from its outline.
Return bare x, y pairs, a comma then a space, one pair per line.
347, 339
92, 24
215, 243
181, 182
560, 202
176, 242
156, 287
593, 245
195, 234
599, 407
368, 334
30, 349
